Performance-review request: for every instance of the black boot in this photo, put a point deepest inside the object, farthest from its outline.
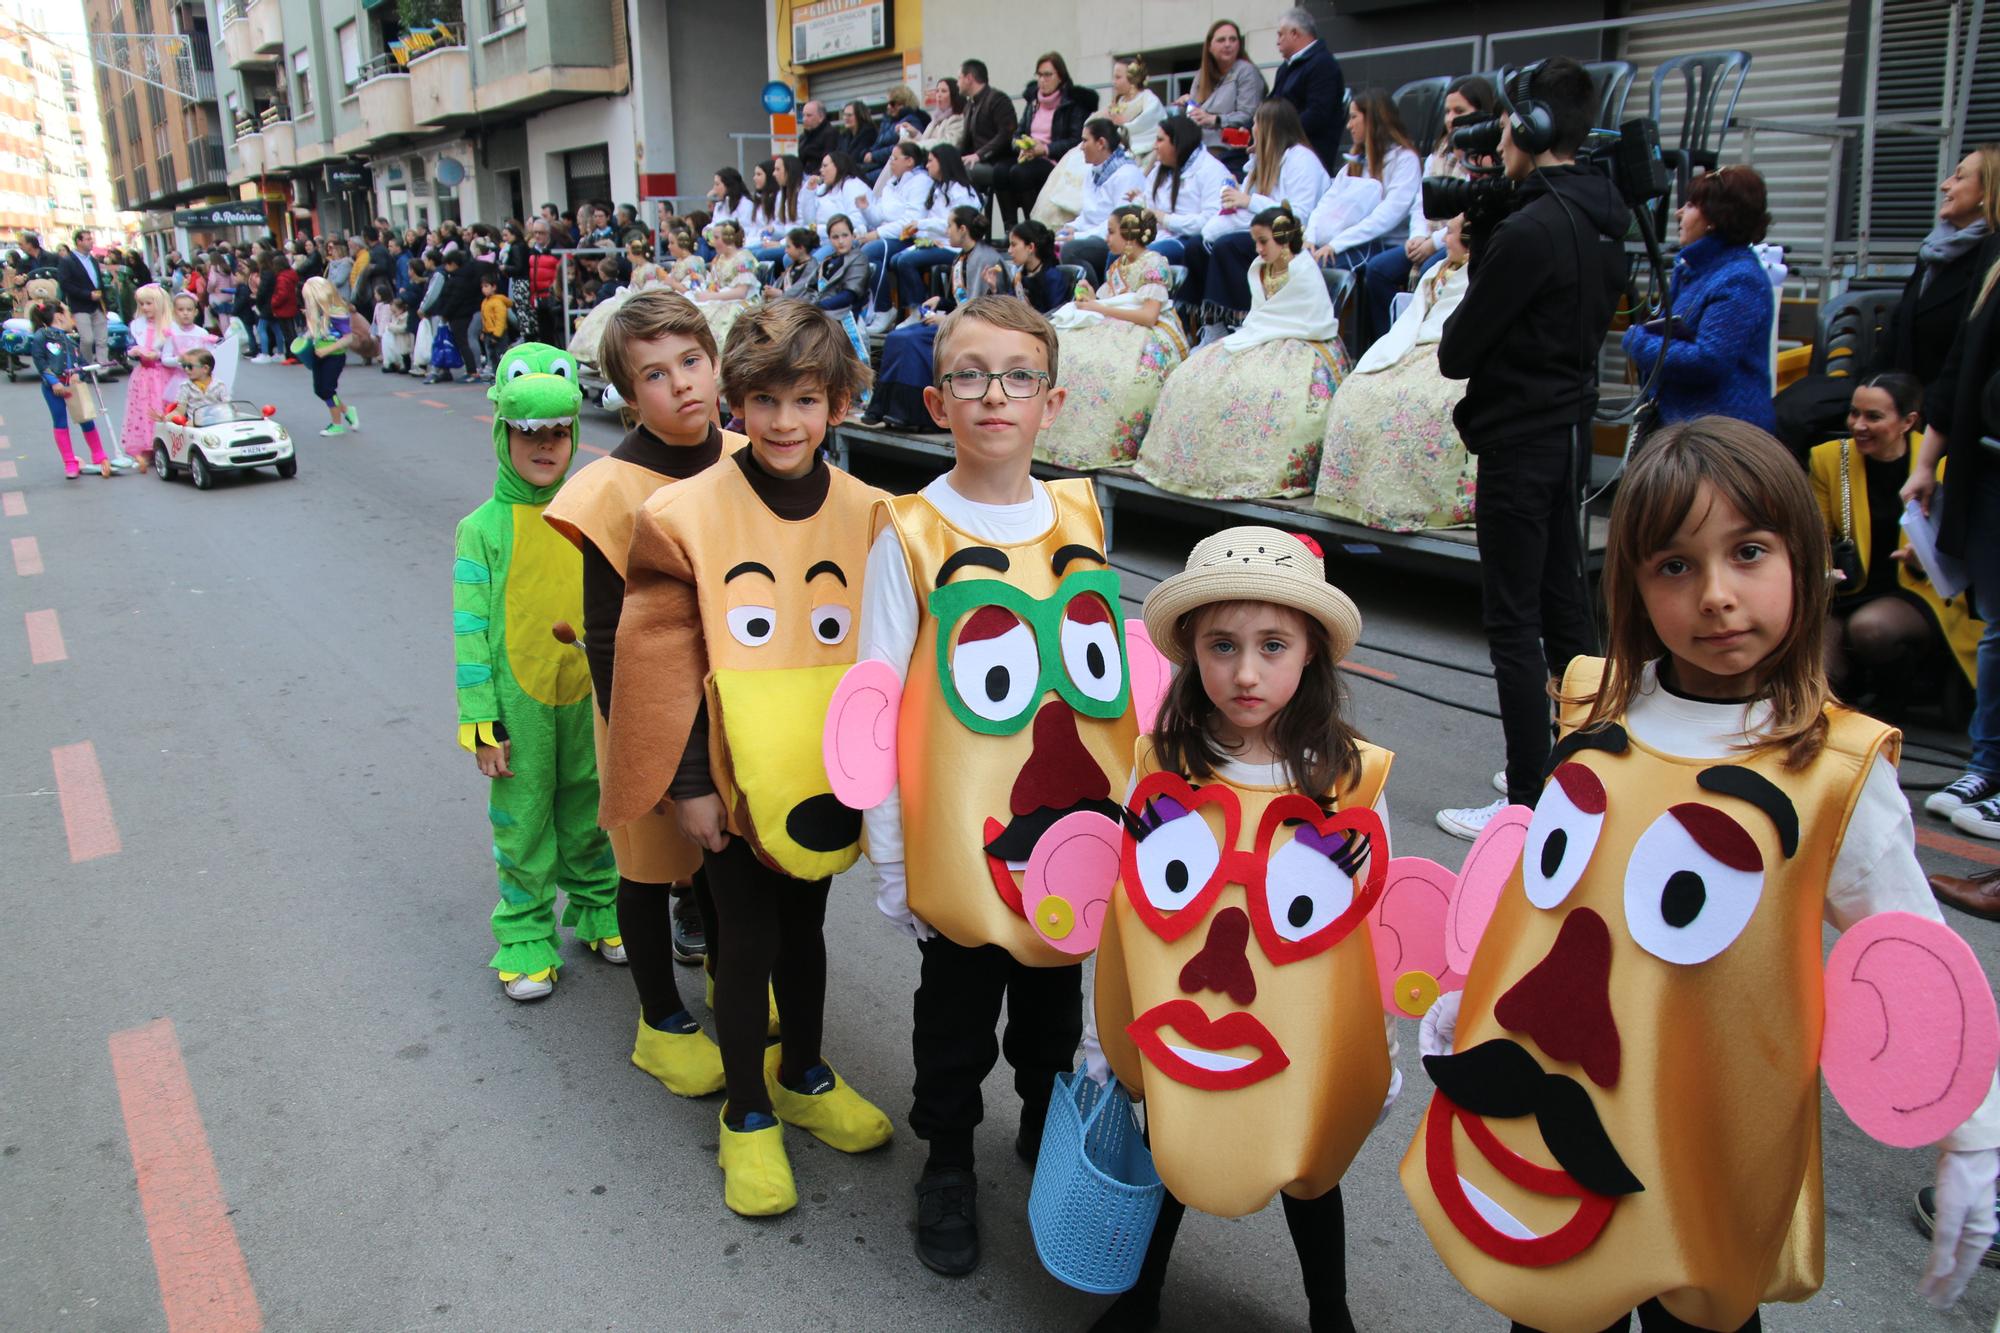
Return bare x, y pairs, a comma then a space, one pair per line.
948, 1221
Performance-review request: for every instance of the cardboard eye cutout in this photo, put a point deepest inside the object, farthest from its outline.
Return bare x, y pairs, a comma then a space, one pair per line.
1488, 867
1563, 834
1317, 888
1911, 1036
1066, 892
1171, 863
1692, 884
1000, 649
859, 743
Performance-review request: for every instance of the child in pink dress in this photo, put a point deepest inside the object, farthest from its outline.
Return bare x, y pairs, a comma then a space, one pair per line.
146, 390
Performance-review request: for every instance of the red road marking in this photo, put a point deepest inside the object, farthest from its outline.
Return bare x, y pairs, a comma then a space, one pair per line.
204, 1282
403, 393
6, 443
430, 402
593, 449
1375, 673
13, 504
45, 640
1963, 848
481, 417
9, 469
86, 806
27, 556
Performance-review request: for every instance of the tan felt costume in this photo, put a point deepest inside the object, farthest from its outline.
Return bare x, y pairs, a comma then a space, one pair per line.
960, 788
600, 504
728, 604
1313, 1092
1703, 1072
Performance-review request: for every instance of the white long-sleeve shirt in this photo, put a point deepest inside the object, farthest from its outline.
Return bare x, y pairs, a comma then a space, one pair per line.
1301, 182
1202, 179
937, 217
1100, 198
898, 202
1335, 221
843, 200
1876, 869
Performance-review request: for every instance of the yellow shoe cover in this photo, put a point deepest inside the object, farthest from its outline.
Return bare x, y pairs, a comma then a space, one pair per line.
771, 1024
840, 1117
689, 1064
756, 1174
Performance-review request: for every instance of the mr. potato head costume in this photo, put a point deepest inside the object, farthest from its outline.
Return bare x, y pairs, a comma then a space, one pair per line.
1628, 1117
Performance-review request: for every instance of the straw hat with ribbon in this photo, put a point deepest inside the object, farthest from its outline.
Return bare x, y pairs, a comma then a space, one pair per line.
1252, 564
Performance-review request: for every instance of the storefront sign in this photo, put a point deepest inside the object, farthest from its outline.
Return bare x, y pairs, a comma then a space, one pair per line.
221, 215
829, 29
347, 178
779, 97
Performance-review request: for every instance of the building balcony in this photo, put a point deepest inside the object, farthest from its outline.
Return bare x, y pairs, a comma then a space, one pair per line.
576, 62
267, 29
239, 41
386, 112
280, 150
441, 86
310, 146
250, 159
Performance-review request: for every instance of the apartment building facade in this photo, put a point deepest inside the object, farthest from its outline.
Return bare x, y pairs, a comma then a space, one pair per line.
55, 177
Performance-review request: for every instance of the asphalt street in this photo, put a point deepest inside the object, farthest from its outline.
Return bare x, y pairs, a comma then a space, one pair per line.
281, 888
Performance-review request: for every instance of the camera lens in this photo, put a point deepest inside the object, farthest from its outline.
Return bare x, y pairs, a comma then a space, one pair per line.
1477, 138
1446, 196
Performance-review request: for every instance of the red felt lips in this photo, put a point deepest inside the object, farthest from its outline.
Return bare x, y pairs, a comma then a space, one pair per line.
1441, 1163
1003, 878
1219, 1034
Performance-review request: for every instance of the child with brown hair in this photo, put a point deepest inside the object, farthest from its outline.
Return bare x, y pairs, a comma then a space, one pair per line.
1648, 1004
659, 355
740, 596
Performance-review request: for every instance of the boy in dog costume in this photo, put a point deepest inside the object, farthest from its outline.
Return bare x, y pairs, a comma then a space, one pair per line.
523, 697
740, 595
660, 356
994, 659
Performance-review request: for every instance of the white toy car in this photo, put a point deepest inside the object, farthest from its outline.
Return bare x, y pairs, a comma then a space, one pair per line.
222, 439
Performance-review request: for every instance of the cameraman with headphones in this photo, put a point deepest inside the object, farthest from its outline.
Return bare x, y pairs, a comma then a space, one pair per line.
1545, 278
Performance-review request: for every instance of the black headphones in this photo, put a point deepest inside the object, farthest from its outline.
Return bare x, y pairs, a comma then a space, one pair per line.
1532, 121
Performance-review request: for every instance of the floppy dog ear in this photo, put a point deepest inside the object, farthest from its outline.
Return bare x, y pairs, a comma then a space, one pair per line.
1066, 891
859, 743
1911, 1035
1151, 674
1481, 880
1407, 930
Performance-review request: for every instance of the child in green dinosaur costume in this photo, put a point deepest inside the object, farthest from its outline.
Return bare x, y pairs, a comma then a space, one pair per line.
524, 705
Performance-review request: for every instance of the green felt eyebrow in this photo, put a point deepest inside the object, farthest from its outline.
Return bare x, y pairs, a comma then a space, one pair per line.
985, 556
1747, 785
750, 567
1061, 559
826, 567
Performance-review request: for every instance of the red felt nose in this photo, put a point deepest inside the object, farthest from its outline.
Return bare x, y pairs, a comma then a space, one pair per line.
1564, 1004
1060, 773
1223, 965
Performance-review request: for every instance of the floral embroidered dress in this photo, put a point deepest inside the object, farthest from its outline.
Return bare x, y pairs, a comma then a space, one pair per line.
1392, 458
739, 270
1243, 419
1113, 369
687, 274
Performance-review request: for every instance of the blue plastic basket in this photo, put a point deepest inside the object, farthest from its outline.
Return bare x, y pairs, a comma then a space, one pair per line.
1096, 1195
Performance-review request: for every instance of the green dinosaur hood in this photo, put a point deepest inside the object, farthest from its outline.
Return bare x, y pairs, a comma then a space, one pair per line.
534, 385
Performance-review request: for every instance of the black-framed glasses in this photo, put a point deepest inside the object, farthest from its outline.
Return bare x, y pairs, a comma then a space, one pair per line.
1017, 383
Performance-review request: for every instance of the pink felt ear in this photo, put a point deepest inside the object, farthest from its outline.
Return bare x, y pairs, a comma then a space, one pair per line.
1912, 1035
859, 743
1481, 880
1066, 890
1151, 673
1407, 927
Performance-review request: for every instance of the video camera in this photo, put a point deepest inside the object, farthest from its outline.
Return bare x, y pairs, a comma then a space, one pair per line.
1629, 156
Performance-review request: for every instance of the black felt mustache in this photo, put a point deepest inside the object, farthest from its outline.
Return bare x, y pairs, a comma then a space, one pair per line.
1500, 1079
1017, 841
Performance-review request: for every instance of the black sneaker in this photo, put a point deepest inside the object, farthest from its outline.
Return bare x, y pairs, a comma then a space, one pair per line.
1134, 1311
947, 1223
690, 941
1968, 790
1927, 1223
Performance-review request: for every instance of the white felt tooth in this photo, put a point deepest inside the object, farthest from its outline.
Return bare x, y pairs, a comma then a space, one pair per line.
1214, 1060
1497, 1217
1018, 867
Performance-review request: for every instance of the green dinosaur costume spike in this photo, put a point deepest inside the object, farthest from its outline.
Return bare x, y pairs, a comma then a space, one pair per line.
514, 577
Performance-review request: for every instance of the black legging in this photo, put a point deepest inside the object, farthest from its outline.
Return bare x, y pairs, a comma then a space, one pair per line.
1654, 1318
772, 924
646, 920
1013, 185
1319, 1235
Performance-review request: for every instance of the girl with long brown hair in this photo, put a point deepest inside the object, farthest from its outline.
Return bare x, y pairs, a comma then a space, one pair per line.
1283, 171
1366, 209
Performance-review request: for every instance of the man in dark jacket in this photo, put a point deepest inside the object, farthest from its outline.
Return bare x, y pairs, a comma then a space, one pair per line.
459, 302
82, 284
1310, 80
1544, 285
818, 136
987, 143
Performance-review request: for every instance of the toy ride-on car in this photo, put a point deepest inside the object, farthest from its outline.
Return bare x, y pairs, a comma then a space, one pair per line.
232, 438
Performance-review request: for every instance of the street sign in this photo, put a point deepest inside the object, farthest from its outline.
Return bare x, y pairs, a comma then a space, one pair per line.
779, 97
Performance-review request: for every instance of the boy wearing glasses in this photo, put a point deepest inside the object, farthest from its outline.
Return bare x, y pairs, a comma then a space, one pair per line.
989, 595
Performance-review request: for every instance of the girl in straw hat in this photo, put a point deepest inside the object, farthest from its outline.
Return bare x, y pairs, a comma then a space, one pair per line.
1236, 983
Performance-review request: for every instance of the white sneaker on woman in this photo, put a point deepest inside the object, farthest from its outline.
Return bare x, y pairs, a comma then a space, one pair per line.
881, 323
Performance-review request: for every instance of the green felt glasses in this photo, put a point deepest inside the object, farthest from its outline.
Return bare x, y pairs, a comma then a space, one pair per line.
1012, 648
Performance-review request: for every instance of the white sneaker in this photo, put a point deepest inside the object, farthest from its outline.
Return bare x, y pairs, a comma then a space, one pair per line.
1469, 823
1981, 820
882, 322
610, 952
913, 318
536, 987
1970, 789
1500, 782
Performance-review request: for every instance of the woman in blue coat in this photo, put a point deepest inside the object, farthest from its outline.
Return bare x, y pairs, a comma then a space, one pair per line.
1718, 348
